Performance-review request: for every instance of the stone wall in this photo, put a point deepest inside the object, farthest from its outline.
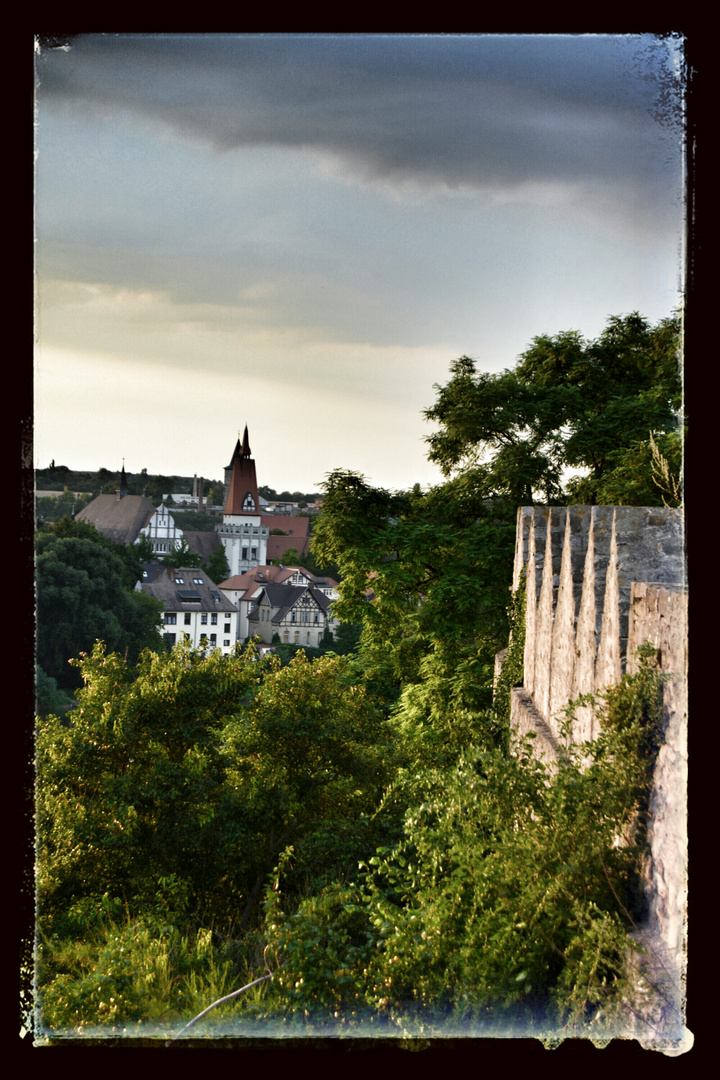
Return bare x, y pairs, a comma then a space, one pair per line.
600, 581
580, 563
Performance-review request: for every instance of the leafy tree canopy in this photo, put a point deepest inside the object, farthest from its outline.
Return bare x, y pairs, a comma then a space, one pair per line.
420, 570
204, 767
570, 404
181, 555
84, 593
216, 566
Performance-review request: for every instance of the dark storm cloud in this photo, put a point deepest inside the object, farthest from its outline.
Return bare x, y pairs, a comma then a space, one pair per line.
483, 112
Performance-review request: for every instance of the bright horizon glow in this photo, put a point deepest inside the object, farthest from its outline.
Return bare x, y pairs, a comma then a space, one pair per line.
301, 233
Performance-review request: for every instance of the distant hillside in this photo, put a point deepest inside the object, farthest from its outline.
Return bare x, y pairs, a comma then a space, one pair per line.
153, 485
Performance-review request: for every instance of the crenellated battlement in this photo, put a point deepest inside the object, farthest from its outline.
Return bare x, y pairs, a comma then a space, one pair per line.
601, 581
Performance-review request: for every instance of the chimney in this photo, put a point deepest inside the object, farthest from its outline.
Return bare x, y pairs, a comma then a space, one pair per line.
200, 496
195, 486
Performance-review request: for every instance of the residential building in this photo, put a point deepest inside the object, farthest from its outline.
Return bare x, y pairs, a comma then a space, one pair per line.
298, 616
193, 606
162, 531
243, 590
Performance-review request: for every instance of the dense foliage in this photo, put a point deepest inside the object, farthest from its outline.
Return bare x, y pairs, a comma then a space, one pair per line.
85, 592
176, 786
507, 898
416, 870
569, 404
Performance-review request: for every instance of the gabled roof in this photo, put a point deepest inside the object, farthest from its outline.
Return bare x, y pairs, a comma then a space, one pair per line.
194, 592
252, 581
118, 518
283, 599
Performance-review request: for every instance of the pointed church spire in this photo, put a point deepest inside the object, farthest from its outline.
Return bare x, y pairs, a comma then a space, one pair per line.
123, 490
245, 444
242, 494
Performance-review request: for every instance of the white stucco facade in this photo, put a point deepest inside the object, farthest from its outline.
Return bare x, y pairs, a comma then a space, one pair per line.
162, 531
245, 541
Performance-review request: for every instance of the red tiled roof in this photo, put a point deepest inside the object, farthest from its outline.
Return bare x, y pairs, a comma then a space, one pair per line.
243, 481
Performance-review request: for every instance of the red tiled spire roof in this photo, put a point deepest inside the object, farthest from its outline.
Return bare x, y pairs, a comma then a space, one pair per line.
243, 497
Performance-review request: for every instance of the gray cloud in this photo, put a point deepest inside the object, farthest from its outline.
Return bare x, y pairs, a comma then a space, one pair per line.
477, 112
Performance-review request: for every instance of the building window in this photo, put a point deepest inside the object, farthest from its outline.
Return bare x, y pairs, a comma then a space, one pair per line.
317, 620
226, 628
170, 638
187, 618
170, 618
254, 553
203, 619
244, 554
226, 642
297, 637
286, 637
305, 616
213, 639
213, 619
292, 616
179, 581
203, 639
197, 581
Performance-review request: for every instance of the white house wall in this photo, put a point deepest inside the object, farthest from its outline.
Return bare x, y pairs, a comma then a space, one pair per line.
162, 531
196, 623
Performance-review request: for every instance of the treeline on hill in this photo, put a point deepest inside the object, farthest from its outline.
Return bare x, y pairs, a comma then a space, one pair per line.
301, 498
152, 485
356, 827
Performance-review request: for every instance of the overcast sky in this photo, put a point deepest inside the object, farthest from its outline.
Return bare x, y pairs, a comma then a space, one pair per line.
301, 233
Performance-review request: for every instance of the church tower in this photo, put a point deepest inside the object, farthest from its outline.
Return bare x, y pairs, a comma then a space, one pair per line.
242, 533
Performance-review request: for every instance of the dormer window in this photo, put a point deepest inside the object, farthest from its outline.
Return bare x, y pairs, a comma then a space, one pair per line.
248, 504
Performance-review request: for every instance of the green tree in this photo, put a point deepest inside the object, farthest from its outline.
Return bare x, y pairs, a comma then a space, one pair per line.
418, 569
130, 786
346, 638
181, 555
291, 557
508, 895
569, 404
309, 758
48, 699
143, 547
255, 757
85, 593
216, 565
156, 486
